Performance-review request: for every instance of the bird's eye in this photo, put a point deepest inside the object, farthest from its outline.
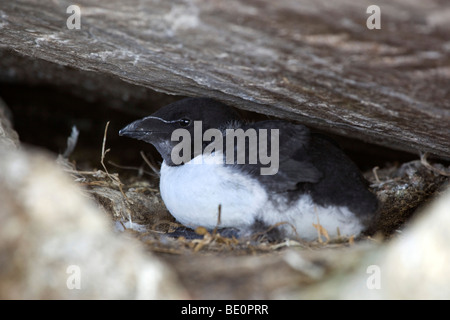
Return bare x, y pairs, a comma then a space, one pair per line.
184, 122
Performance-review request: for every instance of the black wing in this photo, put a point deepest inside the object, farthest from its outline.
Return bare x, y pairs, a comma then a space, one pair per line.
294, 166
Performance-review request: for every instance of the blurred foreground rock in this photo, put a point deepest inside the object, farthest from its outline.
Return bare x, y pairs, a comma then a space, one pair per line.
53, 238
415, 266
9, 139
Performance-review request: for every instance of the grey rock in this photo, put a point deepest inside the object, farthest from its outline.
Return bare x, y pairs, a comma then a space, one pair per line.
314, 62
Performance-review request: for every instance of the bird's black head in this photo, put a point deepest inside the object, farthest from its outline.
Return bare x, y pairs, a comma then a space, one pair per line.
157, 129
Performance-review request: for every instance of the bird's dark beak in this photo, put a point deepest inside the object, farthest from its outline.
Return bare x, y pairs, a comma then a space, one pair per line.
133, 130
147, 129
153, 130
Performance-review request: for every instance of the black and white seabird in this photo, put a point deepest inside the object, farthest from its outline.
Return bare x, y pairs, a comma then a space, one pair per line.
314, 181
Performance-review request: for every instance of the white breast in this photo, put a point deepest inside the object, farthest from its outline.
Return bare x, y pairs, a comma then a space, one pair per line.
193, 192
